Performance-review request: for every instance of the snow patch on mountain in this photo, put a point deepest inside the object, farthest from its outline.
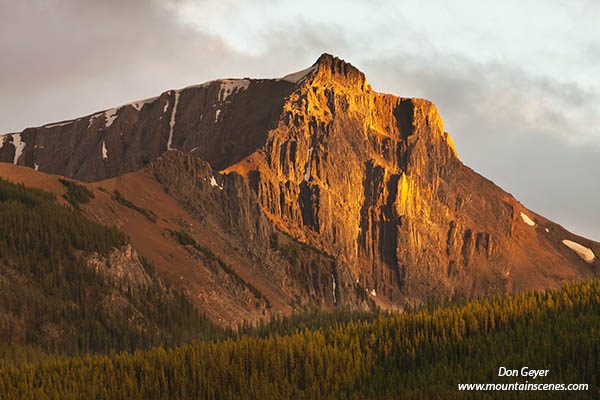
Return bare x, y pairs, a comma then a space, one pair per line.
333, 285
217, 115
58, 124
201, 85
298, 77
139, 104
110, 116
308, 168
585, 253
527, 220
229, 86
172, 122
92, 119
19, 146
104, 151
213, 183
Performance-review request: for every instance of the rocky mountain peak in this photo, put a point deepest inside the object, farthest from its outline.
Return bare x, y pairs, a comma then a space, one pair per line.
331, 69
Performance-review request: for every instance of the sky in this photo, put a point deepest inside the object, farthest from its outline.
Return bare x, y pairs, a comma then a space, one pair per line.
516, 83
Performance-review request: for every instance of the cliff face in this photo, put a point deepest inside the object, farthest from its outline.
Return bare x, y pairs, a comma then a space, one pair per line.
262, 270
372, 180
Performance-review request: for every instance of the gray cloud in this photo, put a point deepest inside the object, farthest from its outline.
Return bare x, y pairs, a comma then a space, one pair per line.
496, 97
75, 57
535, 136
515, 129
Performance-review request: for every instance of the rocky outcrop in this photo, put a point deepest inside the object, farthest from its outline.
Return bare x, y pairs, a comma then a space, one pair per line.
254, 264
122, 269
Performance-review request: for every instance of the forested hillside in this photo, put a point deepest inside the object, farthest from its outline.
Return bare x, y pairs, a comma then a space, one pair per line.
71, 285
419, 354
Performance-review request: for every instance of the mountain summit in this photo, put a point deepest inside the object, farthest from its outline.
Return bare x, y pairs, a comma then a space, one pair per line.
369, 180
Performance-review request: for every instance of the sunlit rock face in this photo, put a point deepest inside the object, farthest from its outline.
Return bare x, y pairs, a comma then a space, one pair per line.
374, 180
371, 179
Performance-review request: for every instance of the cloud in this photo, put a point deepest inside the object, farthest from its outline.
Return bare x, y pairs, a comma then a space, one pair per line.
75, 57
490, 98
556, 180
535, 137
531, 130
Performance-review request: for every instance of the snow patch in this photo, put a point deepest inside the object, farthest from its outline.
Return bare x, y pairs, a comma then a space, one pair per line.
58, 124
585, 253
166, 107
19, 146
213, 183
373, 292
547, 230
104, 151
36, 167
201, 85
217, 115
2, 139
333, 284
527, 220
92, 119
229, 86
299, 76
110, 116
172, 122
139, 104
308, 168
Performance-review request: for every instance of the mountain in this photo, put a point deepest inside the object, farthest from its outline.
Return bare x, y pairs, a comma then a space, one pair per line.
207, 236
261, 196
71, 285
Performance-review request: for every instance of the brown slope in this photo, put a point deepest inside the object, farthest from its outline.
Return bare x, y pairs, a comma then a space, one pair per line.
242, 268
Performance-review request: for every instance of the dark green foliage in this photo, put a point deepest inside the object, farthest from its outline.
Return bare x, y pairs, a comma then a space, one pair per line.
185, 239
118, 197
311, 320
76, 194
35, 230
51, 300
420, 354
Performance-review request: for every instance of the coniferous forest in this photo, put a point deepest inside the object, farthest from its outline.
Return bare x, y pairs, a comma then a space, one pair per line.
51, 302
59, 343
